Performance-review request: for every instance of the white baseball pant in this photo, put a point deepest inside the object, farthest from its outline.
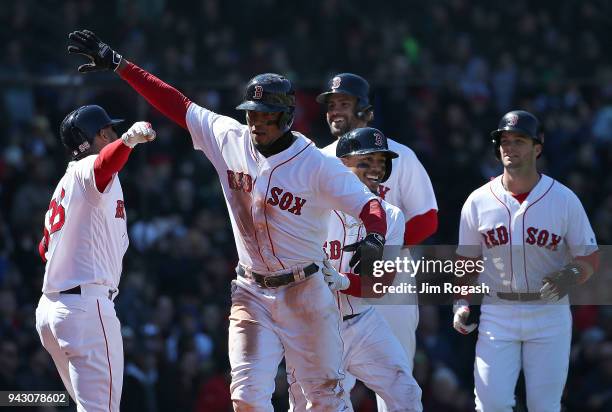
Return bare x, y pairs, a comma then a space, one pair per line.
373, 355
83, 336
403, 320
299, 321
534, 337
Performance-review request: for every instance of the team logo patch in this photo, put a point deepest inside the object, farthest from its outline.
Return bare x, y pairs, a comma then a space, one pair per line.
511, 120
378, 139
258, 92
336, 82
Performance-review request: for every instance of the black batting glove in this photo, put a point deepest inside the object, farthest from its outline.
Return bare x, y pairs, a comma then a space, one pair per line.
558, 284
89, 45
367, 251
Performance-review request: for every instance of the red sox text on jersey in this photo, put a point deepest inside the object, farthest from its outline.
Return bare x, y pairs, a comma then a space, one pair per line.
533, 236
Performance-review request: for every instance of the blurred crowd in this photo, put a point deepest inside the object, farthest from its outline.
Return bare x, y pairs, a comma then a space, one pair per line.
442, 74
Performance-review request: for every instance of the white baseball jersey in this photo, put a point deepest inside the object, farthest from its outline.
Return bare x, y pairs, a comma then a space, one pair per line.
409, 186
344, 230
372, 353
86, 231
523, 242
279, 206
520, 244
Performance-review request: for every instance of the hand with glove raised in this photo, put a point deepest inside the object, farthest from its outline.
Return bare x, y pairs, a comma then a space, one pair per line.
140, 132
367, 251
461, 312
89, 45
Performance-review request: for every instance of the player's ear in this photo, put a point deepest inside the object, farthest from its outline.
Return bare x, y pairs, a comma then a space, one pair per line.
369, 117
103, 135
538, 149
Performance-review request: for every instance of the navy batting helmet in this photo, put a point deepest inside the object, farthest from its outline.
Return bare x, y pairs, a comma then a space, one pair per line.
365, 140
352, 85
271, 93
80, 127
518, 121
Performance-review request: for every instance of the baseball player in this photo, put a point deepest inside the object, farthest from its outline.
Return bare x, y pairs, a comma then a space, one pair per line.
372, 353
536, 242
280, 190
408, 187
85, 238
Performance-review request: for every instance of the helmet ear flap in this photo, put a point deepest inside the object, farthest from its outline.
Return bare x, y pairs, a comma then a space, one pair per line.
285, 121
366, 114
388, 167
73, 137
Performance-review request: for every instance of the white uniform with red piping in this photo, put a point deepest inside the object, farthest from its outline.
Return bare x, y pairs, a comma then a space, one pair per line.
520, 244
279, 209
409, 188
87, 237
372, 353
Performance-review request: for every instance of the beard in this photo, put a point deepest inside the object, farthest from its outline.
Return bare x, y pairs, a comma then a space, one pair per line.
344, 128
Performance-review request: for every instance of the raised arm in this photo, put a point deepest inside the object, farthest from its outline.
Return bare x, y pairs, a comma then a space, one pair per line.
165, 98
113, 156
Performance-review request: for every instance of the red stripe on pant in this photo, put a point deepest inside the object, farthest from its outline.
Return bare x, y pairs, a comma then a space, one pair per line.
110, 369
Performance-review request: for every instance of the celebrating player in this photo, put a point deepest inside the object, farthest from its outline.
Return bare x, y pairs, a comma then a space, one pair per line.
280, 191
85, 238
536, 241
372, 353
407, 187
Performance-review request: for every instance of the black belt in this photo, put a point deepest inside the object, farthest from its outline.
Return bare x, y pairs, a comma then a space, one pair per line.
77, 291
275, 281
521, 297
74, 291
347, 317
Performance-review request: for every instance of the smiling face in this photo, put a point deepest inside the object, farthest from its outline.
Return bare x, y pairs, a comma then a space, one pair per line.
340, 114
369, 168
518, 151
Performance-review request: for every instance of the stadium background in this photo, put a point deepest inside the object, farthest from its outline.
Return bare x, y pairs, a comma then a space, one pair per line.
442, 74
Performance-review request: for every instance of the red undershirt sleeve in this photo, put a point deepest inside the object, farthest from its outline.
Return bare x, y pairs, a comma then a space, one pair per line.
110, 160
420, 227
363, 286
374, 217
354, 288
165, 98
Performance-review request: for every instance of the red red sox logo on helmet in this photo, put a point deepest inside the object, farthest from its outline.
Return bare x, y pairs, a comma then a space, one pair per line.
511, 120
258, 92
336, 82
378, 139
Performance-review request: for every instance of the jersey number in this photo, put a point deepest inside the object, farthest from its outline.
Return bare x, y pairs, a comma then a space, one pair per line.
56, 221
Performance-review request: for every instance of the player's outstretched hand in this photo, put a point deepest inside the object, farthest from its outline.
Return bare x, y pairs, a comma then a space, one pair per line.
557, 284
335, 279
367, 251
461, 311
101, 56
140, 132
